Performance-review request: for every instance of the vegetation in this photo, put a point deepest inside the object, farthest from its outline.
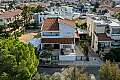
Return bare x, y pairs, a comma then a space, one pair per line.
16, 25
117, 15
114, 55
41, 77
109, 71
71, 73
85, 48
46, 54
81, 24
37, 9
17, 60
84, 45
96, 5
26, 14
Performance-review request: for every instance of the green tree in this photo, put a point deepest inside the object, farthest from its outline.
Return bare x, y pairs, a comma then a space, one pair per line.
17, 60
26, 14
15, 25
114, 55
117, 15
37, 9
81, 24
72, 73
109, 71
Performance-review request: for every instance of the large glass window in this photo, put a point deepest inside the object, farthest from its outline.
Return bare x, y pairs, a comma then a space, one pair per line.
116, 31
50, 33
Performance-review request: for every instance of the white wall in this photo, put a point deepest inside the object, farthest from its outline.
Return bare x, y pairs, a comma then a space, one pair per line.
67, 57
100, 29
66, 30
95, 43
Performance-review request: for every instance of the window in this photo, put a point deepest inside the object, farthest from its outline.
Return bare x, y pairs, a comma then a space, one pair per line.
40, 19
50, 33
116, 31
66, 46
104, 44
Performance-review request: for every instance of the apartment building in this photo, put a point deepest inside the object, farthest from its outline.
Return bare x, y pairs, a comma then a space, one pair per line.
105, 33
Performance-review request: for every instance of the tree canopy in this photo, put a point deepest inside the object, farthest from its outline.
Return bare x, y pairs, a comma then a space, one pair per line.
114, 55
109, 71
17, 60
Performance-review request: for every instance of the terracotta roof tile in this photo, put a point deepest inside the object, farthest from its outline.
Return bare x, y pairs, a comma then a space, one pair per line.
58, 40
10, 14
51, 24
103, 37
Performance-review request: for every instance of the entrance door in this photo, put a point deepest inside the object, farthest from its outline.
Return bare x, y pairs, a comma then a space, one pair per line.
56, 46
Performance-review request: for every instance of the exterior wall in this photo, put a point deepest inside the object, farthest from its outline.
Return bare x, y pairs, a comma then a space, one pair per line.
44, 34
66, 30
91, 26
39, 18
67, 46
62, 46
61, 10
2, 22
114, 35
67, 57
95, 43
106, 45
100, 28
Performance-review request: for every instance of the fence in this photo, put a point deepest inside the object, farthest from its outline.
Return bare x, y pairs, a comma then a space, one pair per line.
68, 58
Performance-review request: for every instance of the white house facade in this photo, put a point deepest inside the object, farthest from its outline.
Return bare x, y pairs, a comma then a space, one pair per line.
58, 33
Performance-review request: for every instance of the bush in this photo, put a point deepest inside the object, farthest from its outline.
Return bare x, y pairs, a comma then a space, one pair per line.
46, 54
114, 55
19, 33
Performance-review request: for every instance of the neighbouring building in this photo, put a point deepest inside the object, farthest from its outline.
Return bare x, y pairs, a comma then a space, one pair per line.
9, 17
105, 33
83, 8
65, 12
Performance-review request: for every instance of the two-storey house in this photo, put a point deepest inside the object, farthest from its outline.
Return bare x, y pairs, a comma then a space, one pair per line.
59, 34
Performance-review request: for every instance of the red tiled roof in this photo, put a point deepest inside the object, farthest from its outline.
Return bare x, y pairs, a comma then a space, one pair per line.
51, 24
58, 40
10, 14
103, 37
108, 7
